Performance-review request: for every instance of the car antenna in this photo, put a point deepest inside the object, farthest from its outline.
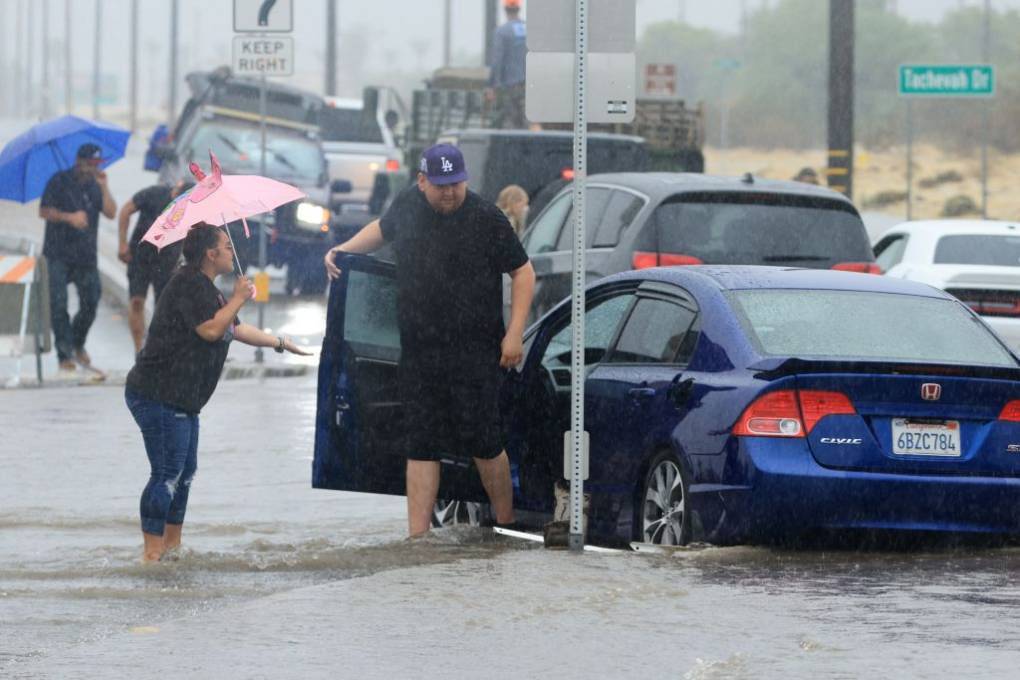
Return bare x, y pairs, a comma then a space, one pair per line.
748, 178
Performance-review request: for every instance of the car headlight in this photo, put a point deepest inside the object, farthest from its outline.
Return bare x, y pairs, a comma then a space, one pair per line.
311, 214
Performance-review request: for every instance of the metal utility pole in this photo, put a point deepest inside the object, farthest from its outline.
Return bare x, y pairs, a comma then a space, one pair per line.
96, 59
171, 104
68, 69
45, 104
133, 82
263, 235
841, 96
578, 437
986, 49
30, 60
490, 29
19, 59
447, 31
330, 88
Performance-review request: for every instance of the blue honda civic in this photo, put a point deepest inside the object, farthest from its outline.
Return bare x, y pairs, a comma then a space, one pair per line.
724, 404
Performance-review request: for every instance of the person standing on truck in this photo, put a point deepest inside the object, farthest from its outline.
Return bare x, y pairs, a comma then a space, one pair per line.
145, 264
506, 77
452, 248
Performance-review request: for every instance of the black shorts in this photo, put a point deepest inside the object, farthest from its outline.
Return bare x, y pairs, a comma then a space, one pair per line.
146, 270
451, 411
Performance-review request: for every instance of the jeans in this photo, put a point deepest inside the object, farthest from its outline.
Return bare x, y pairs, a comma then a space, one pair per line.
70, 333
171, 443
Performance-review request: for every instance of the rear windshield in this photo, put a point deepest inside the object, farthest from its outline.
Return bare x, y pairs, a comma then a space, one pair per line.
758, 229
868, 326
999, 251
348, 125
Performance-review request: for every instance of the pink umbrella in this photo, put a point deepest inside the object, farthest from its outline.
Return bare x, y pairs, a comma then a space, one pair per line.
219, 200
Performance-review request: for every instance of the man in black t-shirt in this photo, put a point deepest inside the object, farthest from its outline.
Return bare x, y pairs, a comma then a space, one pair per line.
147, 265
452, 248
71, 204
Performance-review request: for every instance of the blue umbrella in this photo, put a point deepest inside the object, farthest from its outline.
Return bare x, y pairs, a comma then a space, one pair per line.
30, 159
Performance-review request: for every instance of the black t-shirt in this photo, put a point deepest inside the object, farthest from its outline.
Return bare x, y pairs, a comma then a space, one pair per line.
151, 203
68, 192
450, 276
176, 366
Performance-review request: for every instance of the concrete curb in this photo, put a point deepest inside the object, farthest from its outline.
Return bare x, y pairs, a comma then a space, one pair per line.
119, 378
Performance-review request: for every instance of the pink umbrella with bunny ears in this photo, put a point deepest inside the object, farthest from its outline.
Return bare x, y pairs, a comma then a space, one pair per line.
218, 199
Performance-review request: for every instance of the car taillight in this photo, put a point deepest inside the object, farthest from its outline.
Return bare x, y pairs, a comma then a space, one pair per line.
789, 413
643, 260
816, 404
392, 165
567, 174
1011, 412
775, 414
859, 267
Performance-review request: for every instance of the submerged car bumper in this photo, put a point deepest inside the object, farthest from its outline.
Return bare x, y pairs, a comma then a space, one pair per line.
788, 493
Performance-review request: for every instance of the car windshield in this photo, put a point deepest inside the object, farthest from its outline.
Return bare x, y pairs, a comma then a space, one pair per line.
759, 229
980, 249
348, 125
866, 326
289, 155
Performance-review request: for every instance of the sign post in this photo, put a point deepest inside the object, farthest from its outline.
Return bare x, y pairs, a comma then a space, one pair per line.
601, 79
943, 81
263, 56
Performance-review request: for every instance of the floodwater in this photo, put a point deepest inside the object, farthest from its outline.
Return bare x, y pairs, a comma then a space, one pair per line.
281, 581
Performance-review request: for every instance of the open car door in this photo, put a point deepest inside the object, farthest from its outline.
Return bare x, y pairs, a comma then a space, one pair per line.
359, 424
358, 428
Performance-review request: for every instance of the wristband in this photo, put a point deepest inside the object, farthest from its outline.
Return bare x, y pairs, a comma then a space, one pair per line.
279, 347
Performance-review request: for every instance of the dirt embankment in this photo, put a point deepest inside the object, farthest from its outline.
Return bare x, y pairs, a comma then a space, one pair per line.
945, 184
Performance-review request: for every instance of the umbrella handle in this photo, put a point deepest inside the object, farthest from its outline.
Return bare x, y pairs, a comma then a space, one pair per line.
237, 260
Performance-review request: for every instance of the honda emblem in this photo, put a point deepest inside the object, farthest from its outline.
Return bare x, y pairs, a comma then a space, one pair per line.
931, 391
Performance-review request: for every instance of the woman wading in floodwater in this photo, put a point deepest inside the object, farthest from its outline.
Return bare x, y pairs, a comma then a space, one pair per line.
177, 371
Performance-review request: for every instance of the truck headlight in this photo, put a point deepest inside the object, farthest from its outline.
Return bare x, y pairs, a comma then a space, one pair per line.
311, 214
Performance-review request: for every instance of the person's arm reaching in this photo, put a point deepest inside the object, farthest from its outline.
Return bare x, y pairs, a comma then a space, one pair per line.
522, 289
250, 335
123, 220
368, 240
215, 328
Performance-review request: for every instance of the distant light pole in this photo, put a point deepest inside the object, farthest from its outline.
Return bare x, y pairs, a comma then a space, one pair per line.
30, 59
19, 58
840, 172
986, 55
330, 87
133, 82
96, 59
171, 104
45, 104
447, 31
491, 18
68, 68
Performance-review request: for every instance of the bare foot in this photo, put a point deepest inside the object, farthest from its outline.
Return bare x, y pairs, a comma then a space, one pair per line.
153, 549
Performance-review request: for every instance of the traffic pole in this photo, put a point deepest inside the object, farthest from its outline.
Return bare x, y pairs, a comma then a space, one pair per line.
44, 105
133, 78
986, 32
330, 87
578, 438
97, 45
259, 356
68, 65
910, 160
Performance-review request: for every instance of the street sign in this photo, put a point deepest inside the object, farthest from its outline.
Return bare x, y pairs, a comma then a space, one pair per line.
263, 16
263, 56
660, 80
550, 87
611, 26
947, 80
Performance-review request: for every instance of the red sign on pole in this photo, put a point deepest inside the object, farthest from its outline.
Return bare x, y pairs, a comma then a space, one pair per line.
660, 80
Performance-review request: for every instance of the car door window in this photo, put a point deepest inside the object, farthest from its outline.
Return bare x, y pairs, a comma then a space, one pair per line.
595, 205
655, 333
546, 230
621, 210
600, 325
370, 314
889, 251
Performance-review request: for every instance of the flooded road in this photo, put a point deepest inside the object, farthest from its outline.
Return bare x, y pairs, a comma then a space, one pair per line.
278, 580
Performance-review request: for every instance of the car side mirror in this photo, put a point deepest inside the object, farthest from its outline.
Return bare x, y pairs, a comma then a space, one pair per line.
341, 186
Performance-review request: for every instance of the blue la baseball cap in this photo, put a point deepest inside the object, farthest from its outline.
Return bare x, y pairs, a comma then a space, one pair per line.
443, 164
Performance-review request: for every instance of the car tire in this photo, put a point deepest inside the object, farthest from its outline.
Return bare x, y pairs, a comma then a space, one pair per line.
661, 511
446, 513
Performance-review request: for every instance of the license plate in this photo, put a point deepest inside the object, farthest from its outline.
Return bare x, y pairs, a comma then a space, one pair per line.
926, 439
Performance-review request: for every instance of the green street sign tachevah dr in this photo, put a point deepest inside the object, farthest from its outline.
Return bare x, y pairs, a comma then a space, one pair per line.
947, 80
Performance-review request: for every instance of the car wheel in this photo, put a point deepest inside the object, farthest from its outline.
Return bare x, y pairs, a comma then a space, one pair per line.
456, 513
662, 517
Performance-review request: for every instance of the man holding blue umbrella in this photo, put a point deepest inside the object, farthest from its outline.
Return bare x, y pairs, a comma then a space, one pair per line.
71, 204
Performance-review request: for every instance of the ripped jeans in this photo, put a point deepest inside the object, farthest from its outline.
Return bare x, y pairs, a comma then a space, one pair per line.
171, 443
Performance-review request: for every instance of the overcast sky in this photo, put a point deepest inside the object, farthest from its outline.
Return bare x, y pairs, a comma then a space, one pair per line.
380, 39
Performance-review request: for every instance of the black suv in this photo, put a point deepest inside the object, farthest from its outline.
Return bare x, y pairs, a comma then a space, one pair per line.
638, 220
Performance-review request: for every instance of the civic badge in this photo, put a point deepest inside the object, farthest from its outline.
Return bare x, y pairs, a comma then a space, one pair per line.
931, 391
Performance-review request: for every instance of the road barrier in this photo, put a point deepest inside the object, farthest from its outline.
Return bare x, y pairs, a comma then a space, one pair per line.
24, 309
